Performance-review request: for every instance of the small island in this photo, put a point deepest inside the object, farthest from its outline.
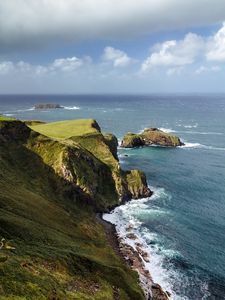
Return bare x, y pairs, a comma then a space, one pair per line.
47, 106
151, 136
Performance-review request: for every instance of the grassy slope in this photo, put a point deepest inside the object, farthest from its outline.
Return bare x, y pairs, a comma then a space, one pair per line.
61, 252
67, 129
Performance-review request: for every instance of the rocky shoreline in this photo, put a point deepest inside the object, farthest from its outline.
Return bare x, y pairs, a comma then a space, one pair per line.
135, 256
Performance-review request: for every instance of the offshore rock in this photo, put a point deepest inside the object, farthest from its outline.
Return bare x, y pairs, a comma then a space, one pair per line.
151, 136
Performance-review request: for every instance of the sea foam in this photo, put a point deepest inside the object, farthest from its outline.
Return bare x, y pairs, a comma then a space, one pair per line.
127, 216
71, 107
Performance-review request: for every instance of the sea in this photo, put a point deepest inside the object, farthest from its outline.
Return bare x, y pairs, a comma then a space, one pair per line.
182, 225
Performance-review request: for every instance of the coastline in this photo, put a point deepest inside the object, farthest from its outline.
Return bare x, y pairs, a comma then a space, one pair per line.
135, 257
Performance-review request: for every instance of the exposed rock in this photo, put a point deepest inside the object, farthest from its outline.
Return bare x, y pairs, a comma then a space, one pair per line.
112, 142
14, 130
132, 140
151, 136
137, 184
158, 293
131, 236
47, 106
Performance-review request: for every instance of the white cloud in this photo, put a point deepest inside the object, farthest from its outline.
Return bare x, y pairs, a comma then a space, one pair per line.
117, 57
216, 46
25, 23
175, 53
6, 67
174, 71
204, 69
60, 65
66, 64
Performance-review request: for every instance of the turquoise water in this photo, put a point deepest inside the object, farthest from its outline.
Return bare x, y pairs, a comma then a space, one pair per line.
184, 223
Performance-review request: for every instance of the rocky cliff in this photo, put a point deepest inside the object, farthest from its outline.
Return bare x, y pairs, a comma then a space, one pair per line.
53, 178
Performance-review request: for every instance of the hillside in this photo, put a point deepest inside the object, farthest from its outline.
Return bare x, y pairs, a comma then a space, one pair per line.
52, 181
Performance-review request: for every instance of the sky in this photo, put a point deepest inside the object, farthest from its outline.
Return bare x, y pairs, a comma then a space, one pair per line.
112, 46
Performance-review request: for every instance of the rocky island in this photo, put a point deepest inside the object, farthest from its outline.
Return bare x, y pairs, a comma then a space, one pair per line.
47, 106
151, 136
54, 178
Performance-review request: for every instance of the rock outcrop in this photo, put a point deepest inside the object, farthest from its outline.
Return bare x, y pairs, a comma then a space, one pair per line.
151, 136
14, 130
47, 106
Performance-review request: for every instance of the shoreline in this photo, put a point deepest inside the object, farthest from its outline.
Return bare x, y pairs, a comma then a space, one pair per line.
134, 257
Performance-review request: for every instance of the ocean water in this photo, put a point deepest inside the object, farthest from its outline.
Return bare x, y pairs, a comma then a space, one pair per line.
183, 224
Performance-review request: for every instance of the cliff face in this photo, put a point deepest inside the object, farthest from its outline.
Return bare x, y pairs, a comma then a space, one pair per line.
90, 159
151, 136
53, 246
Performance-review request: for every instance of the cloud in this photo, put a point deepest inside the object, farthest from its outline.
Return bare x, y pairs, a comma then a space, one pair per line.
216, 46
59, 65
6, 67
66, 64
26, 23
117, 57
205, 69
175, 53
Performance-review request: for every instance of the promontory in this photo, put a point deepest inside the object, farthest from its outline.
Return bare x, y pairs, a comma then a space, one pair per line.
54, 177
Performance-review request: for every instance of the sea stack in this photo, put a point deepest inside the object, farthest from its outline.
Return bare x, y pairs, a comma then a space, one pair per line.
151, 136
47, 106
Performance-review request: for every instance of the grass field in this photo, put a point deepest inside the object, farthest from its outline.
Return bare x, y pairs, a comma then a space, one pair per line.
67, 129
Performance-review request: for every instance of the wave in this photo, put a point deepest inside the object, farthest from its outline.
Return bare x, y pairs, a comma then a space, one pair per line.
9, 115
128, 218
71, 107
191, 126
167, 130
199, 132
201, 146
23, 110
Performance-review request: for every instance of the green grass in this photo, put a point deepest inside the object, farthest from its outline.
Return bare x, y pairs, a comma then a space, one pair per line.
4, 118
67, 129
61, 251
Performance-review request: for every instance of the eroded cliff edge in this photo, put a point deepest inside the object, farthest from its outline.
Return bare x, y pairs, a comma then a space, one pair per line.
53, 177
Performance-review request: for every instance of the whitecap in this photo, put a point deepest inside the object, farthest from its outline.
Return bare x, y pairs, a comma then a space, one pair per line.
167, 130
191, 126
200, 146
71, 107
201, 132
9, 115
192, 145
27, 109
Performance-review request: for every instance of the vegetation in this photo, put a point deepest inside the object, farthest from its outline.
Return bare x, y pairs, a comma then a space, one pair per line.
67, 129
4, 118
151, 136
53, 246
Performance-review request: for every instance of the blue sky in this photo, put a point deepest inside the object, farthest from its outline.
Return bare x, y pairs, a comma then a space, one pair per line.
112, 46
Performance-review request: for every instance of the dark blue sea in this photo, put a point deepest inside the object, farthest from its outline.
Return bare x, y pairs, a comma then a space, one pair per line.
183, 224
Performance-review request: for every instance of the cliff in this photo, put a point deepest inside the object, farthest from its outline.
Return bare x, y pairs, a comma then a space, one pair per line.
53, 178
151, 136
